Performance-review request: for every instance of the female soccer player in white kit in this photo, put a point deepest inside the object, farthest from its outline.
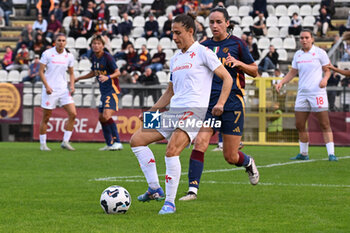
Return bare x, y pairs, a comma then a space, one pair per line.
56, 61
309, 62
192, 70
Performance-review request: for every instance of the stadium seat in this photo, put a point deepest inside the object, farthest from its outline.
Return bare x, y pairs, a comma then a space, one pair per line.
28, 99
293, 9
116, 43
273, 32
76, 73
27, 90
78, 99
114, 11
3, 75
139, 42
206, 22
152, 52
162, 77
136, 101
137, 32
88, 100
209, 33
121, 63
66, 21
308, 21
232, 11
81, 43
149, 101
272, 21
236, 19
161, 20
289, 43
37, 100
146, 9
270, 10
152, 42
263, 53
168, 53
284, 32
282, 54
237, 31
170, 9
305, 10
277, 43
263, 43
200, 19
139, 21
23, 74
284, 21
127, 100
281, 10
165, 42
84, 64
243, 10
13, 76
316, 10
247, 21
70, 43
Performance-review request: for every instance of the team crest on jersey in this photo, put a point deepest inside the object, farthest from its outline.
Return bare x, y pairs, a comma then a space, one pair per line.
216, 49
101, 66
225, 50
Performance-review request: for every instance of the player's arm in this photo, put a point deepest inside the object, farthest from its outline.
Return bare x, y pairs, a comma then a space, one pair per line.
291, 74
250, 69
164, 100
326, 75
71, 79
88, 75
104, 78
222, 73
340, 71
43, 78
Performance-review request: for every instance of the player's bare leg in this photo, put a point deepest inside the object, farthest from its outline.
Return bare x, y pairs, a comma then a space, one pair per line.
300, 124
43, 128
323, 120
72, 113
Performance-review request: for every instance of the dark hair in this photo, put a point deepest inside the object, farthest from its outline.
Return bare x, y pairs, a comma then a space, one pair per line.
226, 16
98, 37
187, 20
60, 34
309, 31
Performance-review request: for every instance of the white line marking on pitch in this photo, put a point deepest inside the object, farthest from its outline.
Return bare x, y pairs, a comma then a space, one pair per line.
118, 178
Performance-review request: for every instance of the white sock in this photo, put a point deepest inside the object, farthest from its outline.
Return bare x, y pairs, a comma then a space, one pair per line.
42, 138
67, 135
172, 177
148, 165
220, 144
193, 190
304, 148
330, 148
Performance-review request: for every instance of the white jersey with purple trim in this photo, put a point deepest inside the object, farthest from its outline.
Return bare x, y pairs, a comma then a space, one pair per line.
309, 65
56, 68
192, 74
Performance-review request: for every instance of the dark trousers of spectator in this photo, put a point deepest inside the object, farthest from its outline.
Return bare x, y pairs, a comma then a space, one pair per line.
294, 31
331, 100
256, 31
343, 29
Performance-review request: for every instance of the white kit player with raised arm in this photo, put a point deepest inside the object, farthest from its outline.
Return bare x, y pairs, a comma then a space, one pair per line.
57, 61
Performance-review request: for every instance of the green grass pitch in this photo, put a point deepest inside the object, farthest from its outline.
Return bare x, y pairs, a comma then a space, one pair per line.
59, 191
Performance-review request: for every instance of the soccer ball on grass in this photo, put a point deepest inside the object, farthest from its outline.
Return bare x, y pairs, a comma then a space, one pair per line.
115, 200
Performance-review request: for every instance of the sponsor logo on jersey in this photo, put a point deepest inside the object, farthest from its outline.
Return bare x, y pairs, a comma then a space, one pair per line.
183, 67
192, 54
225, 50
237, 130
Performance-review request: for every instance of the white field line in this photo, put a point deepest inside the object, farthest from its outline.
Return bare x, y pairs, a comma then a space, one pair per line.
132, 178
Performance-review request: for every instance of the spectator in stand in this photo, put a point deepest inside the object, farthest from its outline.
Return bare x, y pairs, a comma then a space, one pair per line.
88, 27
6, 6
26, 37
259, 6
103, 12
57, 11
21, 59
40, 24
125, 48
143, 59
191, 6
2, 13
329, 5
134, 8
201, 34
89, 11
148, 78
158, 8
259, 28
333, 81
54, 27
33, 75
205, 7
131, 59
322, 22
295, 25
65, 6
151, 27
7, 60
158, 60
270, 61
167, 27
253, 48
101, 27
44, 7
125, 26
345, 28
75, 27
180, 7
346, 55
76, 8
113, 27
39, 44
244, 37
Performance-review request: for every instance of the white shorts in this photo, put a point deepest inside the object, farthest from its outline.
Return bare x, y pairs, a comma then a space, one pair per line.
61, 97
311, 102
185, 121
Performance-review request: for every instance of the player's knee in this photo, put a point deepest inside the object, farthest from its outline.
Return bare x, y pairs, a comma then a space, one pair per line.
72, 115
102, 119
231, 157
136, 140
324, 126
300, 126
200, 144
171, 150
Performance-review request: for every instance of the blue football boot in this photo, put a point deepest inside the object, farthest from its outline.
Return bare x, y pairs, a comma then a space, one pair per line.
152, 194
168, 208
300, 157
